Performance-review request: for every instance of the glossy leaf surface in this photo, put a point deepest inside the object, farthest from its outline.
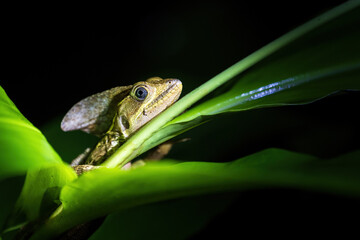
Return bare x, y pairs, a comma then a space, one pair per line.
319, 64
24, 150
85, 199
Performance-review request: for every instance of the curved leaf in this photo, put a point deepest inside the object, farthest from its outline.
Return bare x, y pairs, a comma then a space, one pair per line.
22, 146
104, 191
40, 194
23, 149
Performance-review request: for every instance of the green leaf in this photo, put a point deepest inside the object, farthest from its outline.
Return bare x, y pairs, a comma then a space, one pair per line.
23, 149
40, 194
22, 146
104, 191
308, 63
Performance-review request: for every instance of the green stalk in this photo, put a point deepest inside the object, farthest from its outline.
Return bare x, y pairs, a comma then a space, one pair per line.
131, 148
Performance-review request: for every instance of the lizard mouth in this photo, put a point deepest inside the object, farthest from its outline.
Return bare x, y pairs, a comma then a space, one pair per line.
170, 95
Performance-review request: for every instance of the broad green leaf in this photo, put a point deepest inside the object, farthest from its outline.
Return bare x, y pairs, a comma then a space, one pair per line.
22, 146
316, 59
23, 149
40, 194
104, 191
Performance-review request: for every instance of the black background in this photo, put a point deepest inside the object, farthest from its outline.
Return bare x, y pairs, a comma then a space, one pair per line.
53, 56
56, 55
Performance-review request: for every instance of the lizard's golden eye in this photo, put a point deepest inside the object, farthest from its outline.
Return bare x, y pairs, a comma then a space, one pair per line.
140, 93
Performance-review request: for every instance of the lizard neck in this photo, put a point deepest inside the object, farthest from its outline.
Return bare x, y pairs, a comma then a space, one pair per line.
109, 143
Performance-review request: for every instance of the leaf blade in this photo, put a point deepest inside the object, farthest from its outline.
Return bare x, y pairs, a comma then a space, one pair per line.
158, 182
22, 146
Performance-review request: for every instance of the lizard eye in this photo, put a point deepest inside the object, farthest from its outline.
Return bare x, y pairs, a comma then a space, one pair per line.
140, 93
